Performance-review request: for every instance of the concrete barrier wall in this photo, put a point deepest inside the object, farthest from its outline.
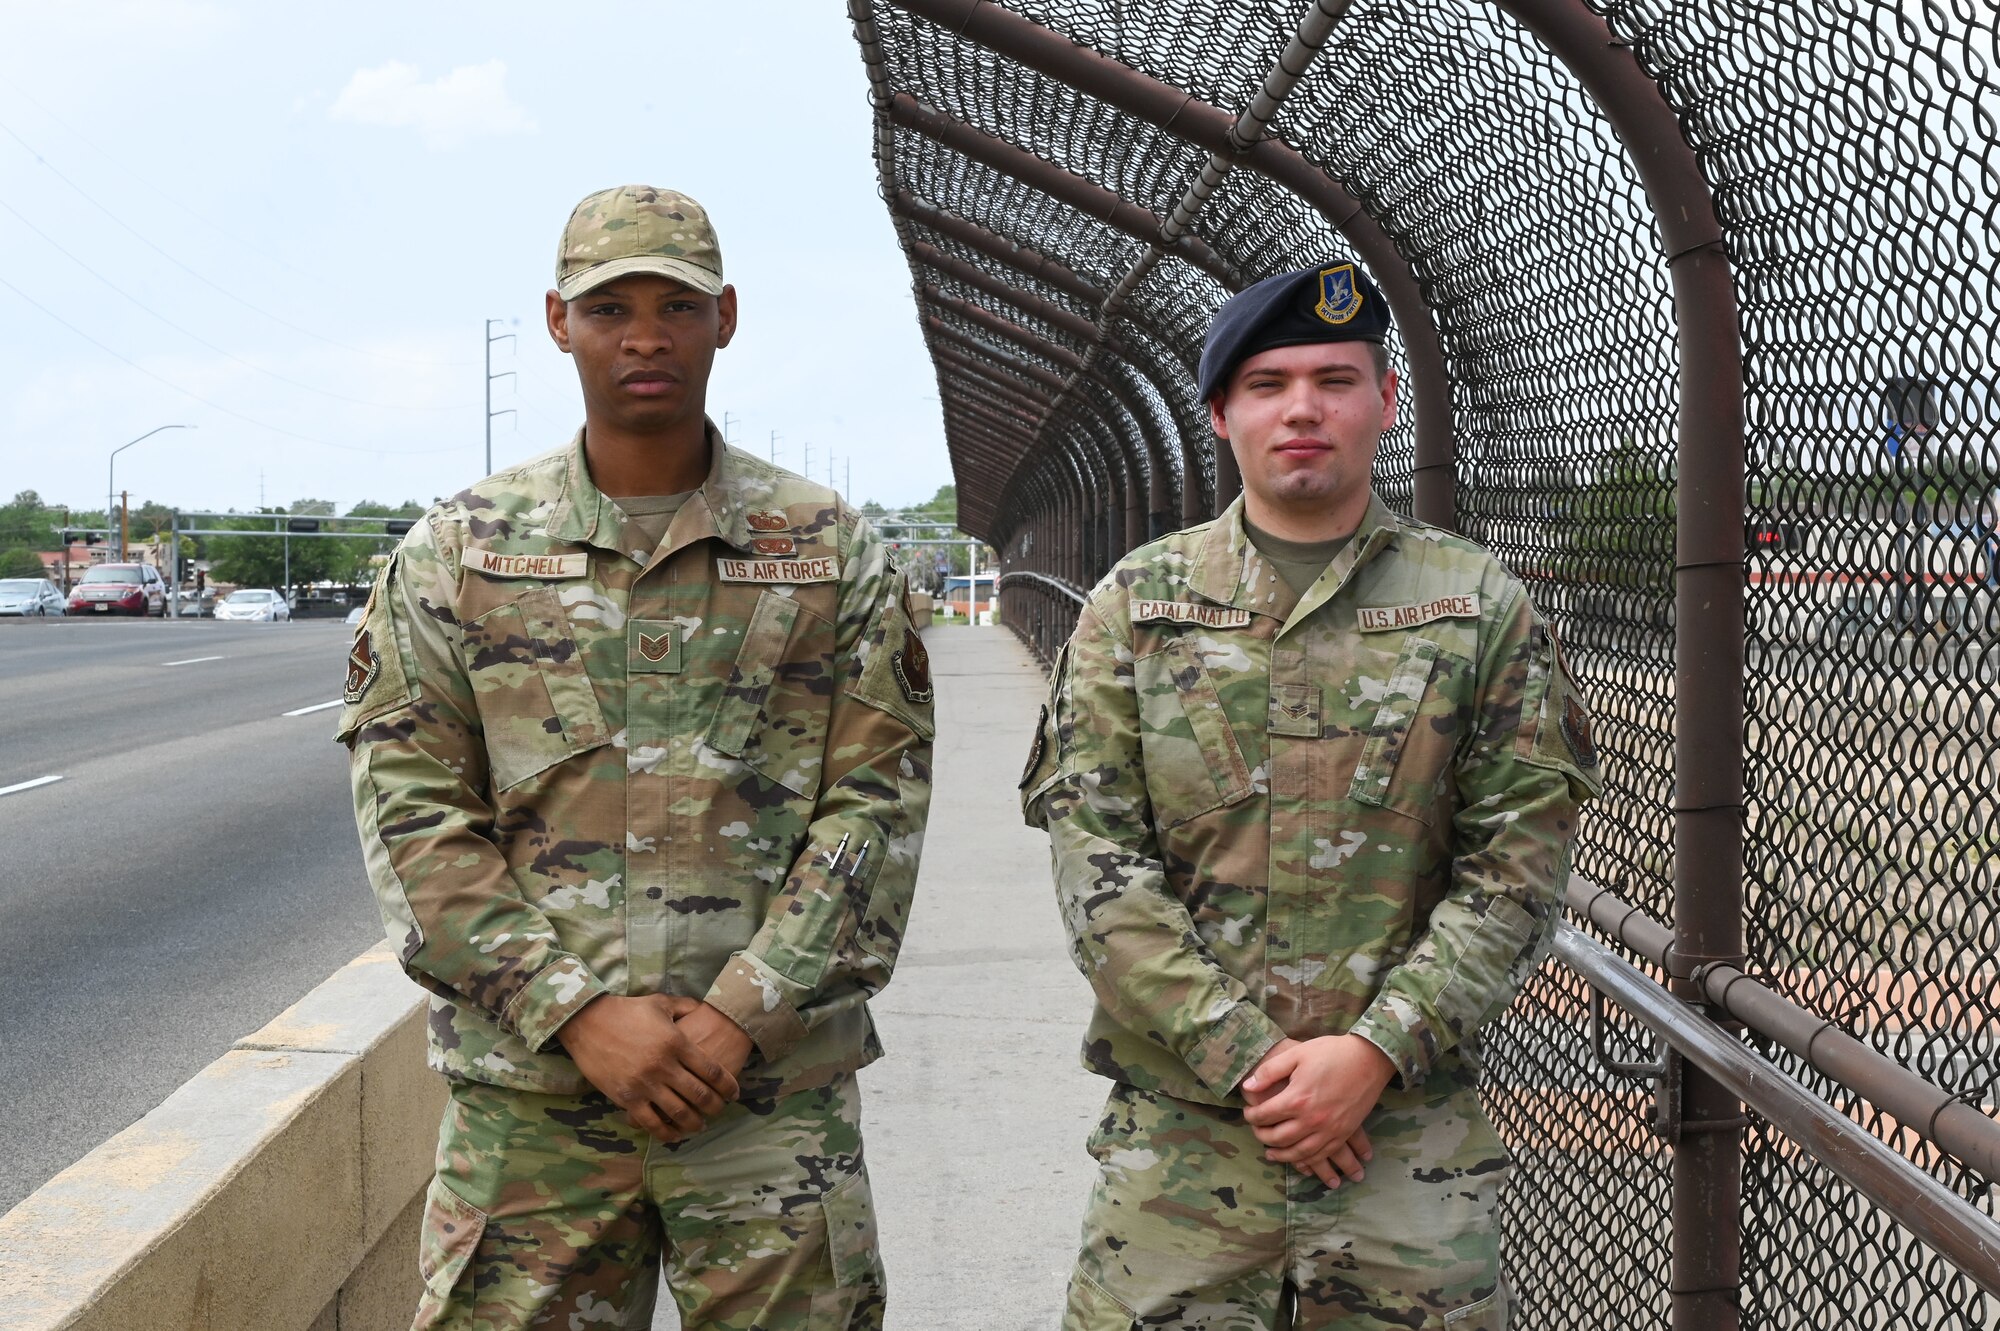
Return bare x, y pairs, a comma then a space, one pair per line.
279, 1190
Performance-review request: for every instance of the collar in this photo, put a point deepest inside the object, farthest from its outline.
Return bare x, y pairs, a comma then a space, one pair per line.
1227, 568
719, 508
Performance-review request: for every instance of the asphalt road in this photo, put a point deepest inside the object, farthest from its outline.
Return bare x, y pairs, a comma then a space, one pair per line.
193, 873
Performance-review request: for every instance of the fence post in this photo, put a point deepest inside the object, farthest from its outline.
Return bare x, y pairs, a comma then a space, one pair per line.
1709, 597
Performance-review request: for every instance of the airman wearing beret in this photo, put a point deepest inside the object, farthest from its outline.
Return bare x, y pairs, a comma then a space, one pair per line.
1310, 772
641, 738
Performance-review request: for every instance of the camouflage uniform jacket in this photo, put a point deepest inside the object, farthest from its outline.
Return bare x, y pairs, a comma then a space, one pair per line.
1276, 816
583, 767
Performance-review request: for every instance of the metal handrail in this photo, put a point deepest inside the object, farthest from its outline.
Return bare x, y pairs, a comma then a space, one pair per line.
1933, 1113
1054, 584
1919, 1202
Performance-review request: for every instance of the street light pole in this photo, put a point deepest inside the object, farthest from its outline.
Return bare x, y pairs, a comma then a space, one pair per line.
111, 476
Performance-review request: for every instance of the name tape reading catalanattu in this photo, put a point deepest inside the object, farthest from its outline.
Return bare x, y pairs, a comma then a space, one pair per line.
1377, 617
1187, 612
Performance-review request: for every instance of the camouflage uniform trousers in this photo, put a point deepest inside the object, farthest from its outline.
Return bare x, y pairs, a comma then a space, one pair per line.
554, 1211
1190, 1229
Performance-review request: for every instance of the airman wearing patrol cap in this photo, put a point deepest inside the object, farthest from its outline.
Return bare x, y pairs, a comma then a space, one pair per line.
641, 734
1310, 772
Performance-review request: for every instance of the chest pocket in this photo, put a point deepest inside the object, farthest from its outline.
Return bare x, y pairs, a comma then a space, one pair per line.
535, 699
1410, 743
1193, 761
773, 711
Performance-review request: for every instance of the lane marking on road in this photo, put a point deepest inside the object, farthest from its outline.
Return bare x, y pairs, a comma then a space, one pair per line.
194, 660
29, 785
301, 711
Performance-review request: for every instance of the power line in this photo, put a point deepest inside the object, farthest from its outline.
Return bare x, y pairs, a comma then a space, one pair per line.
197, 337
206, 281
156, 192
217, 406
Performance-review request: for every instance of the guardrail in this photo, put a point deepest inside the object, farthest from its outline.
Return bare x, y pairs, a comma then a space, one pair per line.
1040, 608
278, 1190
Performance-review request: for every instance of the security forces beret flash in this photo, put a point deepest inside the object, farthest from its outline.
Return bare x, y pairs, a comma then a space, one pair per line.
1331, 304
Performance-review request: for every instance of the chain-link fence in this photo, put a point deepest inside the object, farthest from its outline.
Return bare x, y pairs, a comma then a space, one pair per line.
1697, 306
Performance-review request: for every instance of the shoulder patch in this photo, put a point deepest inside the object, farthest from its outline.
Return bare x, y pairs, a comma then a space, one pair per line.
364, 667
1190, 612
1576, 732
912, 665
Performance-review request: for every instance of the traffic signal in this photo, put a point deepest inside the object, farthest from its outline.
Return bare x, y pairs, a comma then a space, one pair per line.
1771, 537
302, 524
397, 527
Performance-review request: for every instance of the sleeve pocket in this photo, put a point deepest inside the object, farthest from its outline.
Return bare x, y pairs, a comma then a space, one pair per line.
536, 703
1489, 1314
770, 726
451, 1233
1193, 761
1410, 742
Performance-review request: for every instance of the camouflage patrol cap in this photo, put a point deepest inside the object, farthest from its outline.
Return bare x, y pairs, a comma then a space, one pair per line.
638, 229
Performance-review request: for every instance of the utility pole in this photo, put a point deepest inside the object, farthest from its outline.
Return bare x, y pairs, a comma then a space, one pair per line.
490, 377
829, 469
774, 448
124, 522
806, 467
725, 428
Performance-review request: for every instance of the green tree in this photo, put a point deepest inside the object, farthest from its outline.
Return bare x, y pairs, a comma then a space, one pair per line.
260, 561
27, 523
1621, 524
20, 562
360, 556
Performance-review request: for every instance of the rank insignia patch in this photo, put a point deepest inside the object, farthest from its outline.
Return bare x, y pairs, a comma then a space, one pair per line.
653, 647
913, 668
1339, 296
363, 665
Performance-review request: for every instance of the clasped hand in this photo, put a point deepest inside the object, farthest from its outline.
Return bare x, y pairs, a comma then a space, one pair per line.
1308, 1098
669, 1062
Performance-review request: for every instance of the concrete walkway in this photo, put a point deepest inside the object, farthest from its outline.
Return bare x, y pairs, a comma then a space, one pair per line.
976, 1119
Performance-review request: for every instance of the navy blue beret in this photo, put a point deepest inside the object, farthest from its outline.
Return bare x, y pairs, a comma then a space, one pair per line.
1332, 304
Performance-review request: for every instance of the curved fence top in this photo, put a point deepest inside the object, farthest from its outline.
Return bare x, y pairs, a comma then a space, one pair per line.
1565, 195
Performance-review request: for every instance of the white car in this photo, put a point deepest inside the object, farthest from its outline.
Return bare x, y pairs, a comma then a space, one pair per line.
259, 604
30, 596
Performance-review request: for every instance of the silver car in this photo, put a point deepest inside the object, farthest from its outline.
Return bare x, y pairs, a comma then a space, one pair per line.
31, 596
256, 604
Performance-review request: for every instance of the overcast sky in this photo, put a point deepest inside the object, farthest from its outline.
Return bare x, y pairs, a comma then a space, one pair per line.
286, 225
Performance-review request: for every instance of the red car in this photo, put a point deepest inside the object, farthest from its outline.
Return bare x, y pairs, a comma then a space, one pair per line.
119, 589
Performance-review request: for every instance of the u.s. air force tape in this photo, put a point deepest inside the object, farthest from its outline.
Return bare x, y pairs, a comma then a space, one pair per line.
1375, 618
814, 568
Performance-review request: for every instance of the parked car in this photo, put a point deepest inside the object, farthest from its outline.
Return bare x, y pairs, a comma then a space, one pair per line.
258, 604
123, 589
356, 615
30, 596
